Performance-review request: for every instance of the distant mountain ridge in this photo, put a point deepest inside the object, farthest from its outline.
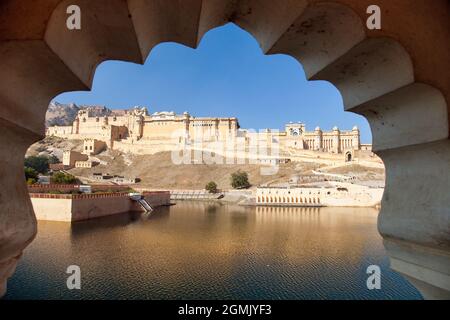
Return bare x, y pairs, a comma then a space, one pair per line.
60, 114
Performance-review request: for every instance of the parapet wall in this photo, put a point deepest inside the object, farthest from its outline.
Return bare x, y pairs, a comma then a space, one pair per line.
66, 207
39, 188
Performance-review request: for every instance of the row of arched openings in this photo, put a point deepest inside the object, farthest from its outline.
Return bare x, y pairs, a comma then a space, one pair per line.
271, 199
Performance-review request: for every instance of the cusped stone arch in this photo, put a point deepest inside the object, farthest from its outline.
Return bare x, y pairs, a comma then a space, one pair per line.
408, 114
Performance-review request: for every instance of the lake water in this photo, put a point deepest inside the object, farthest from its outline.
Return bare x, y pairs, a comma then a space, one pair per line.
198, 250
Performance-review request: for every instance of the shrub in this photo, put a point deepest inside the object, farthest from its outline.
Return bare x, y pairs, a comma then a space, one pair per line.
211, 187
239, 180
38, 163
31, 181
63, 178
31, 175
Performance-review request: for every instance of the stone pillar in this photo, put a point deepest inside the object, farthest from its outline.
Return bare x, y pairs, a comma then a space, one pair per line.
17, 220
414, 219
141, 126
76, 124
356, 141
137, 127
233, 127
186, 121
216, 130
318, 139
336, 140
410, 134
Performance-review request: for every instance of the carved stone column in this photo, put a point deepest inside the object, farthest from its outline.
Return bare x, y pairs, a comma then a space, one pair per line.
17, 220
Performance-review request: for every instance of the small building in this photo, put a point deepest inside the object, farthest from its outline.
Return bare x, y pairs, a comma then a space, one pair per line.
101, 177
124, 180
85, 188
71, 157
59, 131
93, 146
43, 179
85, 164
273, 161
114, 178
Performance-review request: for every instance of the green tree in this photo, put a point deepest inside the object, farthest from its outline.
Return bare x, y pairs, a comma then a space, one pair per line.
31, 175
239, 180
63, 178
211, 187
38, 163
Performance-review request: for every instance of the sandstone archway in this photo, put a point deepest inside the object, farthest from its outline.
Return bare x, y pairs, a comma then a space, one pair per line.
395, 77
348, 157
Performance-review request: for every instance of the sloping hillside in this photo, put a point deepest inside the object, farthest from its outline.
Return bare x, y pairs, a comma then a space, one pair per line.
159, 172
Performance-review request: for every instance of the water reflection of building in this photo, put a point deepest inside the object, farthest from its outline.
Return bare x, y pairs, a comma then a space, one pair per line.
294, 214
204, 244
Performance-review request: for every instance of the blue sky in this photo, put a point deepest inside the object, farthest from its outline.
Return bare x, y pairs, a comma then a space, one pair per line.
227, 75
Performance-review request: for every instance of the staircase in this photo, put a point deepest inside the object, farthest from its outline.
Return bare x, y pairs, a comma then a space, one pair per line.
142, 202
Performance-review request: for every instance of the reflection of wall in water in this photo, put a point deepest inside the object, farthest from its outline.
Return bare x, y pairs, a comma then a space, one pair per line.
334, 232
296, 236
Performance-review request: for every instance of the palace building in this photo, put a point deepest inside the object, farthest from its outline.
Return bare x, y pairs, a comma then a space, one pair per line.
137, 131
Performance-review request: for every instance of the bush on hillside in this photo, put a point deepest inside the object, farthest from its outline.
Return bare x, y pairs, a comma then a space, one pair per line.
211, 187
239, 180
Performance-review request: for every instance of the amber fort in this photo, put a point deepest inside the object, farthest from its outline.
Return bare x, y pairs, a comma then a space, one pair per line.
138, 131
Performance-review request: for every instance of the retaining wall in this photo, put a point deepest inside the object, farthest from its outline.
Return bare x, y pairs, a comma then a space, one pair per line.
56, 207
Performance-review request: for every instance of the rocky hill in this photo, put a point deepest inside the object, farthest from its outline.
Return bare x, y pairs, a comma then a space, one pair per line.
60, 114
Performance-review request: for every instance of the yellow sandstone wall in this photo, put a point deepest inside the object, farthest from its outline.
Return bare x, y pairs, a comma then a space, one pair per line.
159, 129
52, 209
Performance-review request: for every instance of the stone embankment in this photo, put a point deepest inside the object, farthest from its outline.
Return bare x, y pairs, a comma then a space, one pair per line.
194, 195
76, 207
